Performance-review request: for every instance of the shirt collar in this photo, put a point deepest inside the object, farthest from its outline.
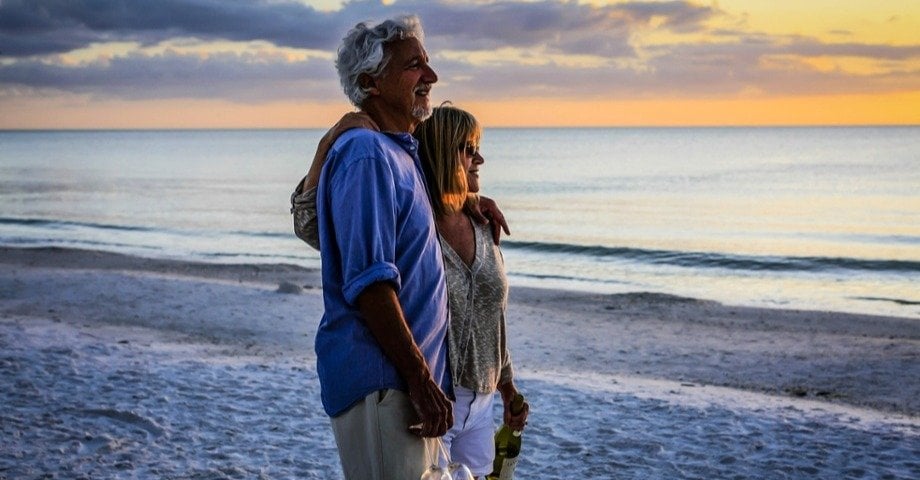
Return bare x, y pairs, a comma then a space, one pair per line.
405, 140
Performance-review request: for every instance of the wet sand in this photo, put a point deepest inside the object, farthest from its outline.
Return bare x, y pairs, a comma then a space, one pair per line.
114, 364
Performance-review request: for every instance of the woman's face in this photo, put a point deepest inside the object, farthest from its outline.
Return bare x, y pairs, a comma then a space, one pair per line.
471, 160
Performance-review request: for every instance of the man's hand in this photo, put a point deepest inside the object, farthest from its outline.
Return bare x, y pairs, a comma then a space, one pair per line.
435, 412
487, 211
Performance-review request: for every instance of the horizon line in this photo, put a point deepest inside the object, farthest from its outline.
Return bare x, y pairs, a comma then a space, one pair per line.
498, 127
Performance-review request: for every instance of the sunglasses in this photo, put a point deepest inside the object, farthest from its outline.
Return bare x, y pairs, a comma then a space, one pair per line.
470, 149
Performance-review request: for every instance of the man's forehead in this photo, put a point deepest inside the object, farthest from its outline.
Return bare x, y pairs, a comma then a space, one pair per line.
407, 48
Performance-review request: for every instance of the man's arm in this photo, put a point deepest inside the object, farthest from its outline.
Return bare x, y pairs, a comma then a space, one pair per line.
383, 315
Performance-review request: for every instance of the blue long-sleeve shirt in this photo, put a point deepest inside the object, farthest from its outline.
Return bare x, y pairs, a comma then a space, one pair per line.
376, 224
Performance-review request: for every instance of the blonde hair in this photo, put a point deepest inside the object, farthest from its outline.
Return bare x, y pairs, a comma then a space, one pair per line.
441, 138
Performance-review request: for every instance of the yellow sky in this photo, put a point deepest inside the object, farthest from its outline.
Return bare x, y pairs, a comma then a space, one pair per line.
884, 88
883, 21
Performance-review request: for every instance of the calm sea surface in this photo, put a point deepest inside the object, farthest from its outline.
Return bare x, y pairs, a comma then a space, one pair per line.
815, 218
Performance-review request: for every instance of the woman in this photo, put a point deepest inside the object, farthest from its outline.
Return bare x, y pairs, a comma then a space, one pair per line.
476, 285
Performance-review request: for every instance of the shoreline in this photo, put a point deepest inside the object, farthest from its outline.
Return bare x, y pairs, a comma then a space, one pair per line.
839, 358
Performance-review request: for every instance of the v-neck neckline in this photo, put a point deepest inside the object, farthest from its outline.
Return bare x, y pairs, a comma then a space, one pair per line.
456, 256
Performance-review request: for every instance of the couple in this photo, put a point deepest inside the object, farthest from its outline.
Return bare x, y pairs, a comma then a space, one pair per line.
394, 194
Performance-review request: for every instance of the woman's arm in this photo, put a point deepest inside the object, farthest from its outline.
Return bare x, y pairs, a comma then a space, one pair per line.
486, 211
347, 122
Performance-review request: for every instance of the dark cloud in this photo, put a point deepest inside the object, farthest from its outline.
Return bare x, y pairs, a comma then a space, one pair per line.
559, 26
32, 27
678, 15
241, 77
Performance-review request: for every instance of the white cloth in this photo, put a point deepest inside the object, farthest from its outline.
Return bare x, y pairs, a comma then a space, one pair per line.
471, 440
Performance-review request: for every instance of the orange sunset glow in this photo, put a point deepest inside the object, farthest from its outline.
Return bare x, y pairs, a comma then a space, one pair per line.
518, 63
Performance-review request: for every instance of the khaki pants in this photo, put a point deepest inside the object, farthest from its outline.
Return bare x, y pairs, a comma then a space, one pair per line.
374, 442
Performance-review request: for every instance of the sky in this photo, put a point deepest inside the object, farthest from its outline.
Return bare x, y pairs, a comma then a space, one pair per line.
91, 64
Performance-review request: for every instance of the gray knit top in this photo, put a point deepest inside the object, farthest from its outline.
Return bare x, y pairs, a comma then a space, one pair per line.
479, 357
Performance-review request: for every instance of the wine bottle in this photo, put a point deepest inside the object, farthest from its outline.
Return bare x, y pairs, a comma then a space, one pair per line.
507, 445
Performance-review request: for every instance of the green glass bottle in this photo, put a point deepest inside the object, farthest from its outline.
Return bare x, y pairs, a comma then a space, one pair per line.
507, 446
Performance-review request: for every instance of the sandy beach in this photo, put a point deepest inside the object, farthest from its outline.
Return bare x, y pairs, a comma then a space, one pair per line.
121, 367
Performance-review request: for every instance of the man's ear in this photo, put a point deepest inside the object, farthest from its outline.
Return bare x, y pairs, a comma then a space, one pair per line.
368, 84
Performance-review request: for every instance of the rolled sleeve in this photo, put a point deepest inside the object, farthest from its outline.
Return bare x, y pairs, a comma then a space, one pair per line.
379, 272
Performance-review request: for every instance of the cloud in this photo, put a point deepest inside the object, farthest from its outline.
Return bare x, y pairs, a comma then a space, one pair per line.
760, 65
699, 56
35, 27
809, 47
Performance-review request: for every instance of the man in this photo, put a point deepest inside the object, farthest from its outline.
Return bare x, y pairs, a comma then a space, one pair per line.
381, 346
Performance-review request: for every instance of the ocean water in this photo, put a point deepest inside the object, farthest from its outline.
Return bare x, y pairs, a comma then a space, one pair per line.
808, 218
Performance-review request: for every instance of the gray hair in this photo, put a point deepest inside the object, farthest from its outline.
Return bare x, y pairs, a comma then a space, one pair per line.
362, 51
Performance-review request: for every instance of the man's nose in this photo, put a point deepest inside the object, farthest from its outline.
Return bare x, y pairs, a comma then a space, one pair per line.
429, 76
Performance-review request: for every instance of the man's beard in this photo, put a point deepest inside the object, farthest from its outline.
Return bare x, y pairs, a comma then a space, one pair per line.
421, 112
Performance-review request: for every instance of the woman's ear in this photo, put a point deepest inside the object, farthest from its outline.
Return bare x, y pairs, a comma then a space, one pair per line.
368, 84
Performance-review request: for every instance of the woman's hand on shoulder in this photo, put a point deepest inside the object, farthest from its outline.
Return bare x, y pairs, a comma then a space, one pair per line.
486, 211
348, 121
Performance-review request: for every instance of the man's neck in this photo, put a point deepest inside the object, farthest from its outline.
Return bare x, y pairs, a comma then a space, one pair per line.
387, 122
